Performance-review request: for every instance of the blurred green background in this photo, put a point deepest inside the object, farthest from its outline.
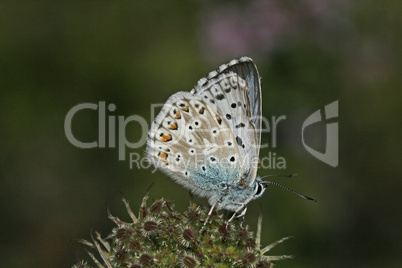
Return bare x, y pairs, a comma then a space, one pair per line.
310, 53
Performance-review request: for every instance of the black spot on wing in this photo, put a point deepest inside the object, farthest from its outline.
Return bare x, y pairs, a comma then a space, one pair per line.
220, 97
239, 141
219, 119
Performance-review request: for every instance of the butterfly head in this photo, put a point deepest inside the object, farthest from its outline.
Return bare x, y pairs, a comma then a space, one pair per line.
234, 197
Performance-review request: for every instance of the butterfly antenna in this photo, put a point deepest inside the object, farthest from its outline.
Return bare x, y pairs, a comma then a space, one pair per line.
287, 189
287, 176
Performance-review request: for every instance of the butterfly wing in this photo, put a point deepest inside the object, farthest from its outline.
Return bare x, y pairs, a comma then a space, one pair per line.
245, 69
189, 140
208, 137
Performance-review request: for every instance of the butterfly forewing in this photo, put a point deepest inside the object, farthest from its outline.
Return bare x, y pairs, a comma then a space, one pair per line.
245, 68
231, 94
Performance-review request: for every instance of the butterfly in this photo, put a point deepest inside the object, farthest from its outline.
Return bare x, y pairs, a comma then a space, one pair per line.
208, 140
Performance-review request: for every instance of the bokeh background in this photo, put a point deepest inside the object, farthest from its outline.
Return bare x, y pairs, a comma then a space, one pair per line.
310, 53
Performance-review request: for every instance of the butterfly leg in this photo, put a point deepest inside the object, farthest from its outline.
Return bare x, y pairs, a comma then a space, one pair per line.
243, 212
209, 214
240, 212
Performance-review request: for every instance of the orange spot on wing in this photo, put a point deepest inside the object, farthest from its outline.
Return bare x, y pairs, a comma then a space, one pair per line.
242, 182
178, 115
163, 155
166, 138
219, 119
173, 126
185, 109
201, 111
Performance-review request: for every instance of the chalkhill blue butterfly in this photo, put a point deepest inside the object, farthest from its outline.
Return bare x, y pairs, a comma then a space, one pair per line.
208, 140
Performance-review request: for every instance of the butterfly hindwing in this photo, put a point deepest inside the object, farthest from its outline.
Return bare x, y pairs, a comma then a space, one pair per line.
189, 140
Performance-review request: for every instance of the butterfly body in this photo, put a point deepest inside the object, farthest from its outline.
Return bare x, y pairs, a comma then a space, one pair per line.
208, 139
225, 188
